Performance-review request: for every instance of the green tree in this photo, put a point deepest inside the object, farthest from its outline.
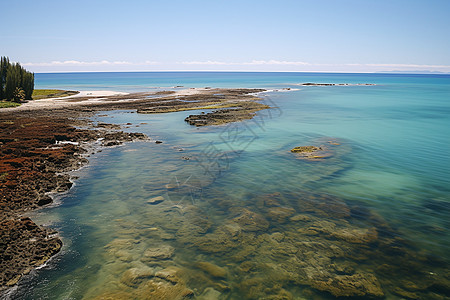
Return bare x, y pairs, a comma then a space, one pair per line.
13, 77
27, 84
19, 95
4, 63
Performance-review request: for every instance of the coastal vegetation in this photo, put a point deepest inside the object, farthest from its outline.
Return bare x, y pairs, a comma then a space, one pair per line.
45, 93
16, 83
6, 104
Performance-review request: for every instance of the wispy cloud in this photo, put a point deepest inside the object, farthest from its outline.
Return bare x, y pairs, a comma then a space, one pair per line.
260, 65
277, 62
208, 62
253, 62
399, 65
301, 63
72, 63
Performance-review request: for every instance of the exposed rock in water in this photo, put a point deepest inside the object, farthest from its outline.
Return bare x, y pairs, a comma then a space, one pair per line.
36, 147
24, 246
245, 111
333, 84
305, 149
312, 152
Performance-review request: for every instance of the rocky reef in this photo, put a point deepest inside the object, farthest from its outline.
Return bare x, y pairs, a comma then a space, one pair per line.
24, 246
230, 105
273, 246
289, 244
312, 242
324, 151
241, 111
35, 152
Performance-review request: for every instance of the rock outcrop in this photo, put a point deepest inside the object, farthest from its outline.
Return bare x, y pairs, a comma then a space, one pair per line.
35, 151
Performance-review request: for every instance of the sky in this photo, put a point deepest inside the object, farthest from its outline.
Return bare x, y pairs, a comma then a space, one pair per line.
227, 35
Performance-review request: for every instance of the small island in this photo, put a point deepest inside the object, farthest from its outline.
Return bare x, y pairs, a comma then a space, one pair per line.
334, 84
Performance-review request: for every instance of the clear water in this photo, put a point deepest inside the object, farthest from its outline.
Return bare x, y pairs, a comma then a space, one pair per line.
390, 169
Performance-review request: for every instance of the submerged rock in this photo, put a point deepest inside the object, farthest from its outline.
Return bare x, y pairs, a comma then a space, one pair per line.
155, 200
280, 214
251, 221
356, 235
209, 294
324, 205
121, 249
360, 284
134, 276
300, 217
212, 269
158, 253
161, 289
263, 288
170, 274
405, 294
114, 295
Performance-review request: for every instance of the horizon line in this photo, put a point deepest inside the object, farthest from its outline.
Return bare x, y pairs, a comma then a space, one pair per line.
257, 71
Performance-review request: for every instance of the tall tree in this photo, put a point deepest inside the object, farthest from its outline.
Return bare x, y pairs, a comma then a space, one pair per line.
4, 63
14, 78
27, 84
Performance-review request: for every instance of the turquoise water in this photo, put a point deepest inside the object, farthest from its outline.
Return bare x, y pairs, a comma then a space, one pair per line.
276, 226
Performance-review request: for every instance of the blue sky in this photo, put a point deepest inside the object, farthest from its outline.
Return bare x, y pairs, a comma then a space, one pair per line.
324, 35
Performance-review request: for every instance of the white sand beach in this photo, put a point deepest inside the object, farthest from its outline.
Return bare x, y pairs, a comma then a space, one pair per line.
90, 97
67, 101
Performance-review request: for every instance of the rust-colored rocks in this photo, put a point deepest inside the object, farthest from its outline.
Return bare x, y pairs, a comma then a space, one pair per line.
23, 246
34, 149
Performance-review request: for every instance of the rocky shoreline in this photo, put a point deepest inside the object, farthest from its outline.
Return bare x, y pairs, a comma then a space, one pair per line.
36, 151
39, 145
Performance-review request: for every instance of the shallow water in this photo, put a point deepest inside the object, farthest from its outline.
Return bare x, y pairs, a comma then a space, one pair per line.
375, 213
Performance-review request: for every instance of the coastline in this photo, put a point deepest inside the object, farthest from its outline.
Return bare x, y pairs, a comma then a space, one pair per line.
56, 145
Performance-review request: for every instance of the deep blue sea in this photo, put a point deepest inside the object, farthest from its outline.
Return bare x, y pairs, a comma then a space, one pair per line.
242, 217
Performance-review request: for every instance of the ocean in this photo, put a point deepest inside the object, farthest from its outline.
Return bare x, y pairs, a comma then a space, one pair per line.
241, 216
